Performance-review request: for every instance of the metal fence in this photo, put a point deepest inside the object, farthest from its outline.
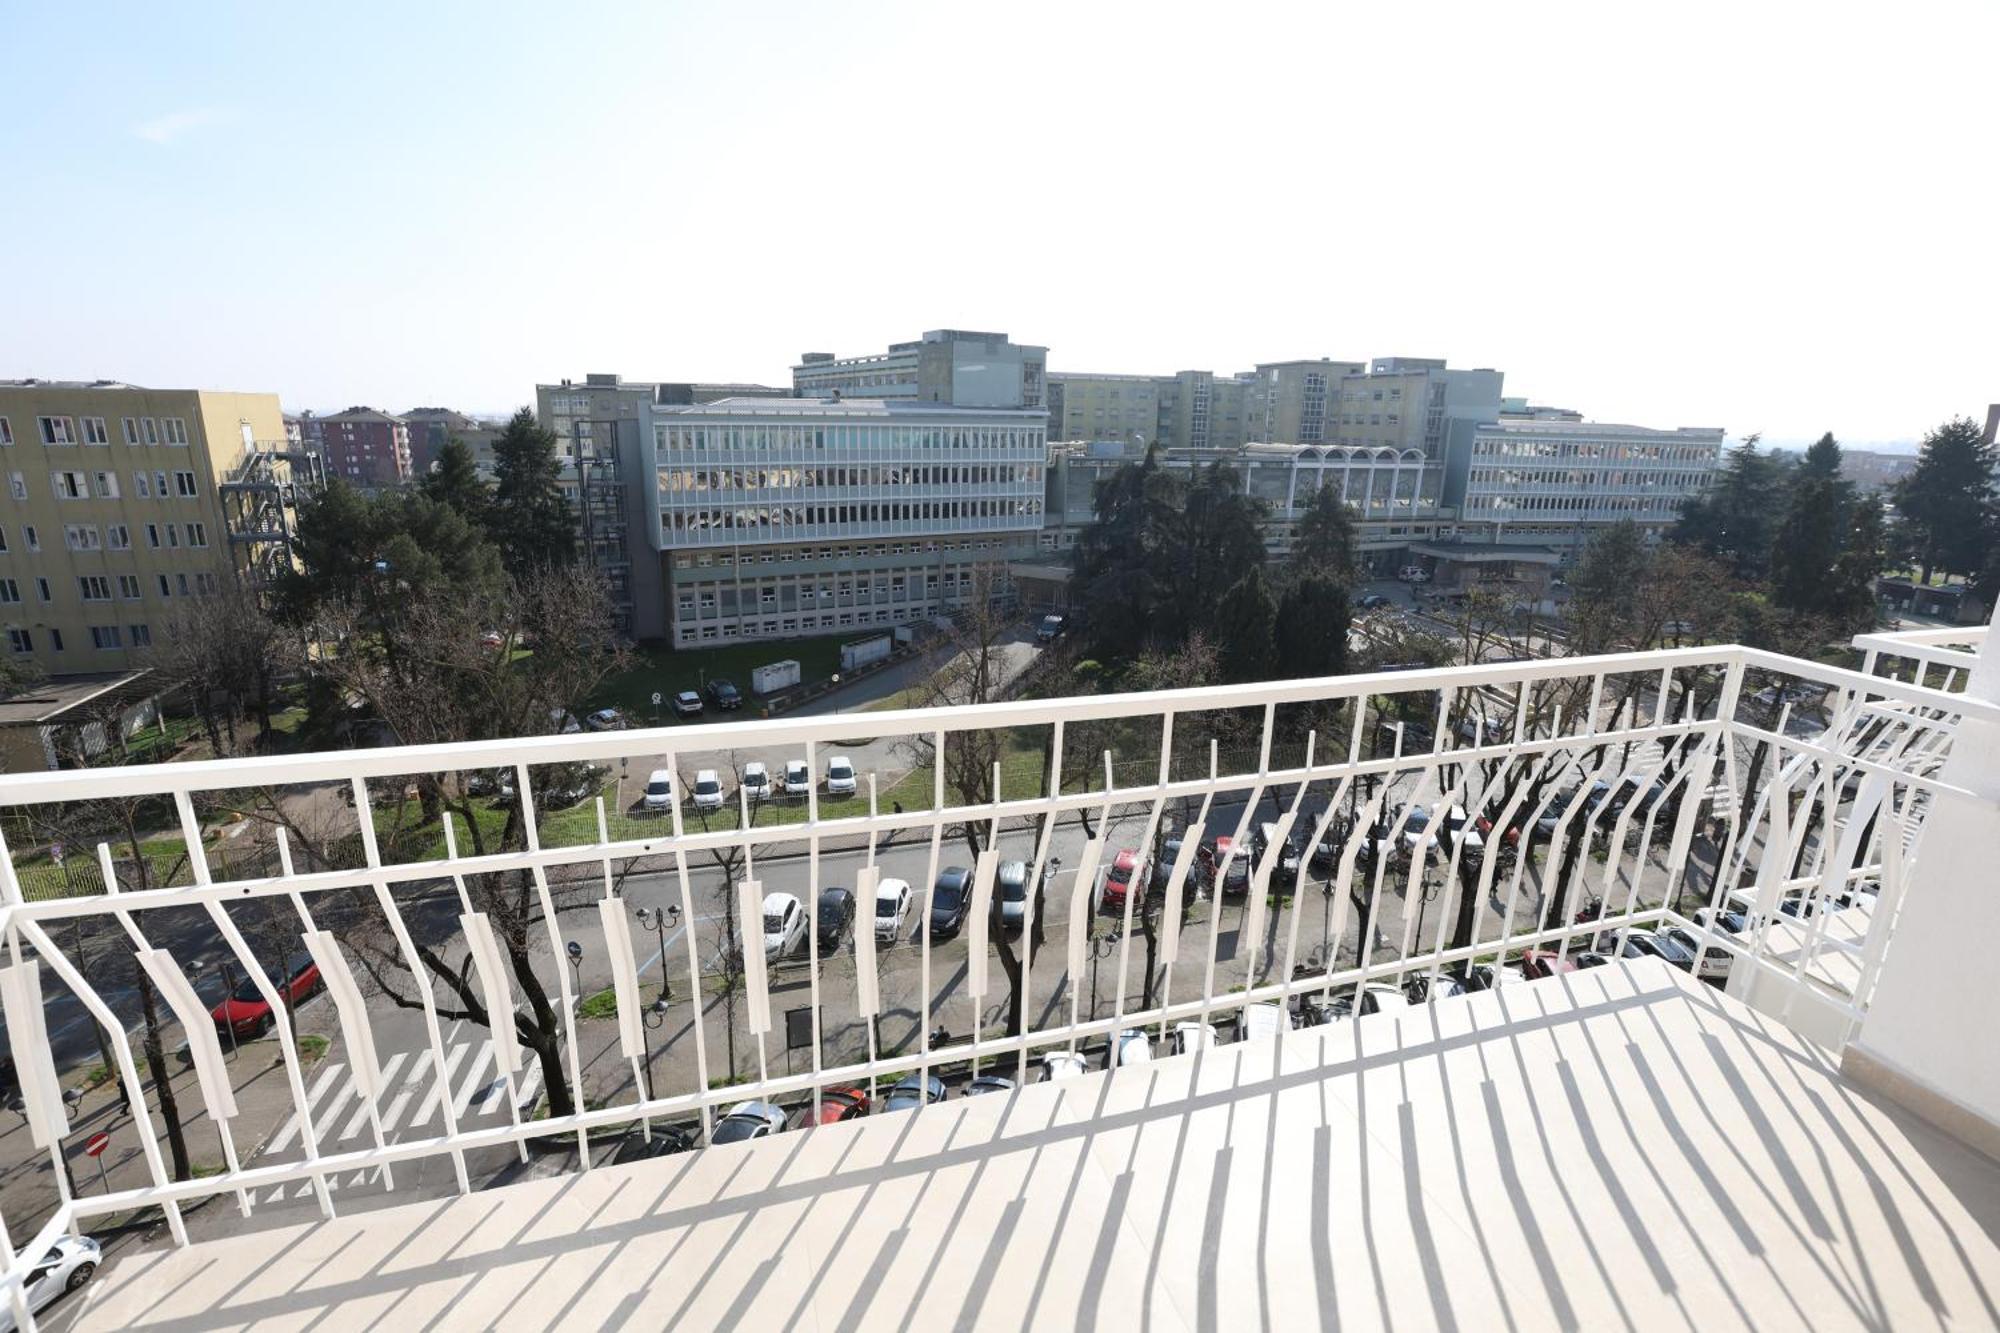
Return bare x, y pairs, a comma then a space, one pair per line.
1765, 806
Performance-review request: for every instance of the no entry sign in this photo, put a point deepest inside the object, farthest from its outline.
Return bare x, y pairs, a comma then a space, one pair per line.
95, 1145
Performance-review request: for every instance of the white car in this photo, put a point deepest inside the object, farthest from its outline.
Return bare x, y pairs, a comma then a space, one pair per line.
1413, 574
67, 1266
840, 779
660, 789
1058, 1065
1194, 1037
798, 779
756, 781
707, 790
1711, 963
892, 908
1261, 1020
748, 1120
1130, 1047
784, 925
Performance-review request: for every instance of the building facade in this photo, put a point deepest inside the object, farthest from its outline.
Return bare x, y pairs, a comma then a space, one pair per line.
114, 512
430, 428
952, 366
366, 448
781, 518
1557, 482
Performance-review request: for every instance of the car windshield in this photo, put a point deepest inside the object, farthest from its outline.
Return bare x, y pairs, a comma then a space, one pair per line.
774, 923
839, 769
246, 990
885, 907
1418, 818
736, 1128
706, 786
949, 891
755, 777
658, 787
688, 697
1120, 874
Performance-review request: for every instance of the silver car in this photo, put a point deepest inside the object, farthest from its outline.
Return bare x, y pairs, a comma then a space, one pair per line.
67, 1266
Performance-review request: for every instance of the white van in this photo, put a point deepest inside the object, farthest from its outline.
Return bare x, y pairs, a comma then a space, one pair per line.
660, 789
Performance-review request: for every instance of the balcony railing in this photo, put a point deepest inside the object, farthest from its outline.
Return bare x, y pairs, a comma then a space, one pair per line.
1305, 835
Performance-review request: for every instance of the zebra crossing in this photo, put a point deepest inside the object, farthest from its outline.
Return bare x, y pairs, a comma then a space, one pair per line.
412, 1097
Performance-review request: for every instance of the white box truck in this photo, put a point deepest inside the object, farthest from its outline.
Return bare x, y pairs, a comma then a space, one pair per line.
774, 676
864, 651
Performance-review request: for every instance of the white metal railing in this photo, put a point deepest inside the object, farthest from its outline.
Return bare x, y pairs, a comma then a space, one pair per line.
1731, 778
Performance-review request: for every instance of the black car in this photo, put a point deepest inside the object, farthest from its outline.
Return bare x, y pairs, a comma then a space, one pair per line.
836, 914
666, 1141
1289, 858
724, 694
949, 899
1373, 601
1050, 629
1200, 871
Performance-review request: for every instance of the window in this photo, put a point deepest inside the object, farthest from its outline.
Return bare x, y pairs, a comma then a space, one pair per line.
18, 485
70, 485
128, 587
94, 587
146, 428
173, 537
166, 588
82, 537
142, 486
57, 430
197, 534
107, 485
160, 485
183, 485
204, 583
20, 641
174, 429
182, 580
10, 591
6, 432
104, 637
3, 540
131, 425
117, 537
42, 591
153, 536
142, 636
94, 432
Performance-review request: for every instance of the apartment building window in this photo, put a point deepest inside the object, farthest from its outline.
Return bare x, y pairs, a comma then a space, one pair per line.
204, 583
117, 537
149, 430
17, 485
20, 641
174, 429
685, 605
142, 485
10, 592
197, 534
57, 430
173, 537
128, 587
94, 587
42, 591
94, 432
3, 541
70, 485
55, 639
107, 485
142, 636
6, 432
160, 485
105, 637
153, 536
131, 428
184, 485
82, 537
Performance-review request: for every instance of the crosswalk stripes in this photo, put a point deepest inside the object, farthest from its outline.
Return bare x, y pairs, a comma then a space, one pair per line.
469, 1071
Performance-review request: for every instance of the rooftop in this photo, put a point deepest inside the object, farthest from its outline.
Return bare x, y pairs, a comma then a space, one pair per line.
851, 407
47, 700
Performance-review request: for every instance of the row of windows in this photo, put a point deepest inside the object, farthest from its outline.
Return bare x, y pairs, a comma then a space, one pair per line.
782, 627
770, 518
858, 551
114, 536
65, 431
1595, 504
1628, 478
678, 480
886, 587
69, 484
115, 587
877, 440
102, 637
1620, 451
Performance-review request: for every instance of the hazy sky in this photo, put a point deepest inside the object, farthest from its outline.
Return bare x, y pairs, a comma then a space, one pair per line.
1760, 216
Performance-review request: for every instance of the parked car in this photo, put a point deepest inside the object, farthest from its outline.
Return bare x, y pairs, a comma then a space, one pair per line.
914, 1091
707, 790
1728, 920
798, 778
724, 694
892, 908
950, 897
1590, 958
67, 1265
606, 719
1261, 1020
1452, 830
687, 704
986, 1083
1201, 871
1413, 574
748, 1120
1487, 976
561, 786
1130, 1047
784, 926
1289, 857
1010, 895
1714, 961
666, 1141
492, 638
1050, 629
1646, 944
564, 722
659, 793
1373, 601
1118, 879
1539, 963
1194, 1037
1639, 793
1235, 871
840, 779
836, 915
757, 781
1427, 990
1062, 1064
245, 1011
835, 1105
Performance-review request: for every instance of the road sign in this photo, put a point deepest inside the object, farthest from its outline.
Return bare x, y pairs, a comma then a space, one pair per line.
798, 1028
95, 1145
657, 699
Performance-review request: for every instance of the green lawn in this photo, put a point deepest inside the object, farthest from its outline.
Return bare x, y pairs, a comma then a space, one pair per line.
671, 670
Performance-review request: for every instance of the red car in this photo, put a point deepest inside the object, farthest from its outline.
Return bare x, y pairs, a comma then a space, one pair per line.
1538, 963
245, 1012
1236, 879
1124, 868
835, 1105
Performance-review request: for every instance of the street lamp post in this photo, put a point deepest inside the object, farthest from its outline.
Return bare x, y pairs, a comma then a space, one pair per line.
654, 1017
657, 921
575, 952
1100, 947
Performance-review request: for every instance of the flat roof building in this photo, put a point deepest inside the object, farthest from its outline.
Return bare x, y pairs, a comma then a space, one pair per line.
953, 366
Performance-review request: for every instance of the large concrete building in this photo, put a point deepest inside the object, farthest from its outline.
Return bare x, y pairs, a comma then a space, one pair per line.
363, 446
790, 517
951, 366
430, 428
114, 511
1287, 402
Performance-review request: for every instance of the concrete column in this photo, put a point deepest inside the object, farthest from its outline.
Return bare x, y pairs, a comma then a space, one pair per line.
1925, 1042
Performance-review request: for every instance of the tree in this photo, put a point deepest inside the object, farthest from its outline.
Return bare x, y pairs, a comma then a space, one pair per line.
1734, 518
1602, 605
1243, 622
1221, 542
454, 480
1310, 635
1121, 560
1943, 502
1812, 535
1323, 542
530, 519
1863, 556
222, 652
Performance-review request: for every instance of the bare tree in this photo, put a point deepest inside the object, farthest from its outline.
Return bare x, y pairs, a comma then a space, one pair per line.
222, 651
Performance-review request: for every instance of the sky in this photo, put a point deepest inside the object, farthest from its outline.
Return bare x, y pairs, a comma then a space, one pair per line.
1767, 217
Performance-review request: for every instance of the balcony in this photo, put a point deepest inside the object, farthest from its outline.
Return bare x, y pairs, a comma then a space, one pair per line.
1440, 1141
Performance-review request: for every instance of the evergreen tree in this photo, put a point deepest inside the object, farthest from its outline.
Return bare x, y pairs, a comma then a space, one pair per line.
1323, 542
454, 480
1943, 502
1813, 535
1121, 560
1734, 519
1863, 556
1604, 588
1220, 540
1244, 620
1310, 635
530, 520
